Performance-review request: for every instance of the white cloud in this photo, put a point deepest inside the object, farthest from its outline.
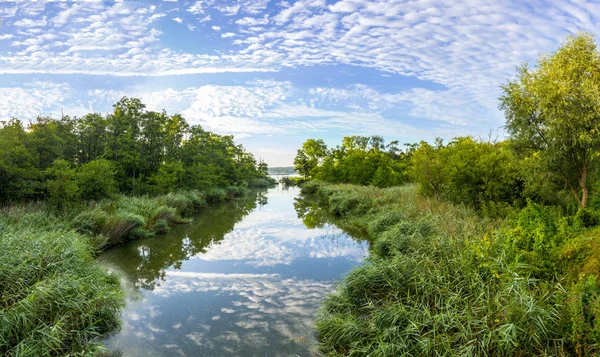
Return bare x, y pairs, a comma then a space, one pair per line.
216, 28
200, 6
34, 98
177, 19
31, 22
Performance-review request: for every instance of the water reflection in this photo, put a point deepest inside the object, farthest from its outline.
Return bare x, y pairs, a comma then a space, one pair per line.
245, 279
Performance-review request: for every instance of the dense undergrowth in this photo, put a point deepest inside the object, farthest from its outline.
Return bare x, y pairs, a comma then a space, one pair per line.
55, 300
444, 281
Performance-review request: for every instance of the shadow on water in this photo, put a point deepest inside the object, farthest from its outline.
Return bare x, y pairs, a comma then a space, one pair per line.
244, 279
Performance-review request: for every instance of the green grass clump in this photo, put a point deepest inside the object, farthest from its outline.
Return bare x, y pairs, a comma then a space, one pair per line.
215, 195
442, 280
54, 299
262, 182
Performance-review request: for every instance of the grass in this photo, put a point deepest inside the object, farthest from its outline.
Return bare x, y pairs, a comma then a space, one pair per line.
55, 300
441, 280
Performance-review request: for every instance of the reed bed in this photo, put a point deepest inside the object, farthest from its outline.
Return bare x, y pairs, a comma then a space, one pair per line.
441, 280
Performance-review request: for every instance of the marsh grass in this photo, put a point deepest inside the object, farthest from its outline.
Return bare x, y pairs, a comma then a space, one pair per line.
55, 300
441, 281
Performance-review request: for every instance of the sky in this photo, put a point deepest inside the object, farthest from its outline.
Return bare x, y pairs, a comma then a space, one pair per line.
274, 73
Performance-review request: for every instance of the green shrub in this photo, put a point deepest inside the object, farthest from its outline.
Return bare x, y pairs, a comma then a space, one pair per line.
587, 217
96, 179
232, 192
310, 187
262, 182
215, 195
345, 202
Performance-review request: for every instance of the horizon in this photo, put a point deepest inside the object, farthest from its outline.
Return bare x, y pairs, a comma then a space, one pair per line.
275, 73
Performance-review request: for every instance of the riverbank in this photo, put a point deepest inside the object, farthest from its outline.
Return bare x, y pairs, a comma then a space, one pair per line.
443, 280
54, 297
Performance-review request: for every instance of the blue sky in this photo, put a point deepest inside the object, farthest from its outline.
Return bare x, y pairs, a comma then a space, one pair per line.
274, 73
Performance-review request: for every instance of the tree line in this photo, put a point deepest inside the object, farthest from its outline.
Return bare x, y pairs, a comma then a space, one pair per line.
551, 154
131, 150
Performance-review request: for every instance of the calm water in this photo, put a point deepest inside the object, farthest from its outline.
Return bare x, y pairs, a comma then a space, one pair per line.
244, 279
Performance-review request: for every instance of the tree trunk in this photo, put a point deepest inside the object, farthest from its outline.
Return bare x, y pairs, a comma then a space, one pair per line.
584, 189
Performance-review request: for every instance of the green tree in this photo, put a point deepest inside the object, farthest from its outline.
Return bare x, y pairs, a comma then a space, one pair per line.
553, 112
62, 183
19, 176
96, 179
310, 156
428, 168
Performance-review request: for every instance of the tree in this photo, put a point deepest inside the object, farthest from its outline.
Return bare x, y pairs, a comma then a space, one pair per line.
310, 156
428, 168
553, 112
62, 185
96, 179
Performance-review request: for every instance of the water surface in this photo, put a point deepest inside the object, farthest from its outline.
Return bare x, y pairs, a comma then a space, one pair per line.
244, 279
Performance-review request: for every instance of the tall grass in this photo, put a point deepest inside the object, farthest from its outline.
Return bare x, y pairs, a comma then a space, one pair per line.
440, 282
55, 300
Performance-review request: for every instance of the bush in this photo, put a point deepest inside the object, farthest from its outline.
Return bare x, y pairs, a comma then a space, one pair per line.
215, 195
232, 192
262, 182
310, 187
346, 202
96, 179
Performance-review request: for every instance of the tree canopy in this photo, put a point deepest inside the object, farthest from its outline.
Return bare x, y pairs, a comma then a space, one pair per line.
553, 112
130, 150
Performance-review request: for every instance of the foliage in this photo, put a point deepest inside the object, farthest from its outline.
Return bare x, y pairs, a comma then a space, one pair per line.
54, 299
359, 160
131, 150
96, 180
62, 183
441, 280
552, 111
468, 171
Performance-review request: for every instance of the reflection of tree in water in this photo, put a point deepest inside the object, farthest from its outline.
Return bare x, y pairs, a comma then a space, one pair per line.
311, 214
315, 215
144, 261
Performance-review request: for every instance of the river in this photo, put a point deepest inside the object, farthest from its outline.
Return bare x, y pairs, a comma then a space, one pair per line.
245, 278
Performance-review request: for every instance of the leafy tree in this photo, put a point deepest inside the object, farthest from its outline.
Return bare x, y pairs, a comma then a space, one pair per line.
553, 112
61, 183
96, 179
359, 160
128, 150
310, 156
19, 176
428, 168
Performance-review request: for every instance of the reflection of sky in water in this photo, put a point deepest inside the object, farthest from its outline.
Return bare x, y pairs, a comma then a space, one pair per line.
230, 284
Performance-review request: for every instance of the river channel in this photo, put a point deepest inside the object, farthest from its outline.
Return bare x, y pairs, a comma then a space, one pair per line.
245, 278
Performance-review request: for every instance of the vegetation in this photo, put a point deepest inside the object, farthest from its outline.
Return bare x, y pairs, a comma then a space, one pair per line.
54, 299
494, 250
442, 280
552, 112
131, 150
76, 185
359, 160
